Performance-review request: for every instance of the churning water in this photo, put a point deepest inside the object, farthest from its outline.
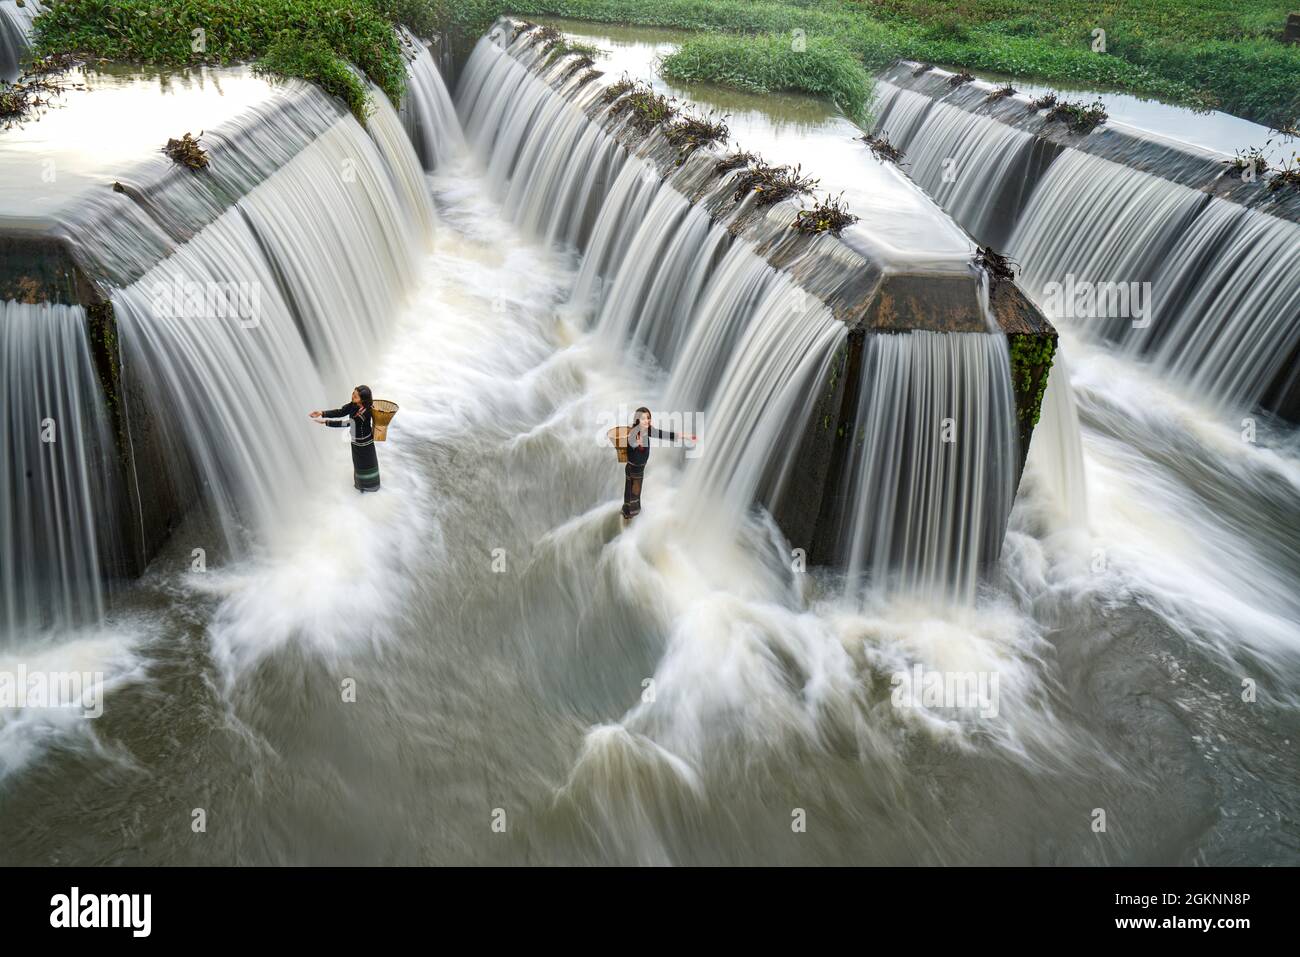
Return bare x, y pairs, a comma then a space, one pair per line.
676, 691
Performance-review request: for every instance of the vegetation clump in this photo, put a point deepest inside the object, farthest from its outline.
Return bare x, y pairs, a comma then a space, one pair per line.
563, 48
644, 108
923, 69
35, 90
736, 159
617, 89
1044, 102
828, 216
187, 152
1252, 159
1031, 361
998, 267
815, 65
1079, 118
1288, 175
1001, 93
771, 184
881, 148
957, 79
689, 132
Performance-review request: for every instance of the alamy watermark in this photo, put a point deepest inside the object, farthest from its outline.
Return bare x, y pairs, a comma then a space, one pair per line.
679, 423
184, 299
1083, 299
946, 690
23, 688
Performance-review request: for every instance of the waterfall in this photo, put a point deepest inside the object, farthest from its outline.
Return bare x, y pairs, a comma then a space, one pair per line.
57, 490
233, 332
1220, 311
15, 36
327, 249
427, 111
931, 480
973, 168
742, 344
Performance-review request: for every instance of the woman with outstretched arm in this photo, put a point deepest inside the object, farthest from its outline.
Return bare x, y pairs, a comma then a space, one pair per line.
358, 416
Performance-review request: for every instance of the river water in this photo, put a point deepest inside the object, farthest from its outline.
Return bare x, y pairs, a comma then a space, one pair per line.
481, 665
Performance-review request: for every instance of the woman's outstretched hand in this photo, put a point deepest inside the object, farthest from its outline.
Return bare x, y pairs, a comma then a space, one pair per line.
315, 415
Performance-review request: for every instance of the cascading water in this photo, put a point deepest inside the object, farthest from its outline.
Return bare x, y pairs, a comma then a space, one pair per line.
741, 342
664, 692
427, 111
932, 479
57, 489
15, 36
1217, 315
267, 310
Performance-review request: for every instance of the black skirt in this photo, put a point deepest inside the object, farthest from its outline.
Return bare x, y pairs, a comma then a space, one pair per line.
632, 489
365, 466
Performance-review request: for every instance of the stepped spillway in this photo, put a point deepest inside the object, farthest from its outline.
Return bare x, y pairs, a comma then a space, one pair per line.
1122, 209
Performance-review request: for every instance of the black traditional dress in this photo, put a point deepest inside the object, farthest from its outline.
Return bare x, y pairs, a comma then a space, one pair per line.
365, 463
638, 454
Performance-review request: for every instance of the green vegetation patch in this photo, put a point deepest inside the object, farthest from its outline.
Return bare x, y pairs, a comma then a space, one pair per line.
1081, 118
797, 63
1031, 362
312, 39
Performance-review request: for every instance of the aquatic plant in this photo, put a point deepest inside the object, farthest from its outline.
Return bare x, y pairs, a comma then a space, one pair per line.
617, 89
998, 267
315, 40
644, 108
831, 215
1079, 118
1251, 159
35, 90
689, 132
881, 148
1044, 102
735, 160
187, 152
1001, 93
957, 79
772, 183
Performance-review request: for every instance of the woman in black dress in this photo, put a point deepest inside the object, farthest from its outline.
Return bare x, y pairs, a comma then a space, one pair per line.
638, 454
357, 416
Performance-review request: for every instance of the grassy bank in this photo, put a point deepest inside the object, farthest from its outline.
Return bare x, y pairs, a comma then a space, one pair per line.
1216, 53
312, 39
1219, 53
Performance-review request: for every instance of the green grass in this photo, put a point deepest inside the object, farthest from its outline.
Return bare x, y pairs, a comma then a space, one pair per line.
768, 64
312, 39
1222, 53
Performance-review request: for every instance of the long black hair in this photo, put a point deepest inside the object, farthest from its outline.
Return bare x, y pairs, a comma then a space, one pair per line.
367, 398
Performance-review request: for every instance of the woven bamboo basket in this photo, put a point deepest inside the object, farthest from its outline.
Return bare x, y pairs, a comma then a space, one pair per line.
618, 438
383, 412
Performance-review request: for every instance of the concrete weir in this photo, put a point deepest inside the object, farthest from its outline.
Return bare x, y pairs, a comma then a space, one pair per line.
194, 288
1215, 245
877, 281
